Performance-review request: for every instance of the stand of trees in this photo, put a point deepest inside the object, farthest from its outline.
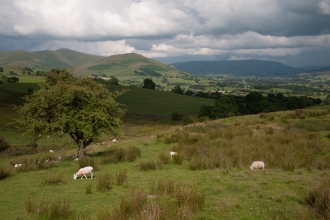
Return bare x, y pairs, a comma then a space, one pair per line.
254, 103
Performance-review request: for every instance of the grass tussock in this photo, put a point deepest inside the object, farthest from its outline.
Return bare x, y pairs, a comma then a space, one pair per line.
5, 172
169, 201
56, 179
88, 162
49, 208
103, 183
318, 198
35, 162
121, 178
150, 165
117, 155
88, 188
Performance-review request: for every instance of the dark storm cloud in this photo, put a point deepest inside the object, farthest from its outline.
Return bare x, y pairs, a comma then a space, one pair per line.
289, 31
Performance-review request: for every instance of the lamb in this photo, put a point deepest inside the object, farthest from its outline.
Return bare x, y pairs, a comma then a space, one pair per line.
83, 172
172, 153
257, 165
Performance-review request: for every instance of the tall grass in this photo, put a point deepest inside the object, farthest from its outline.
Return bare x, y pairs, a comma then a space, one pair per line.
57, 179
55, 208
5, 172
237, 145
103, 183
169, 201
318, 198
116, 155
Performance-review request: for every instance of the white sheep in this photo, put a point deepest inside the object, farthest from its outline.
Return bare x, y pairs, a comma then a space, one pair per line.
172, 153
51, 151
83, 172
113, 140
18, 165
257, 165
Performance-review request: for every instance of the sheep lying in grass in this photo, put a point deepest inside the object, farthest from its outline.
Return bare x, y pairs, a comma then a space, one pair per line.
83, 172
257, 165
172, 153
18, 165
51, 151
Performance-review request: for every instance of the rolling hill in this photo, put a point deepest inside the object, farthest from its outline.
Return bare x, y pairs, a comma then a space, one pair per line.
238, 67
130, 69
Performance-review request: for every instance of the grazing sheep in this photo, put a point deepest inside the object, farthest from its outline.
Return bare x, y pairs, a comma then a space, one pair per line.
18, 165
83, 172
257, 165
172, 153
51, 151
113, 140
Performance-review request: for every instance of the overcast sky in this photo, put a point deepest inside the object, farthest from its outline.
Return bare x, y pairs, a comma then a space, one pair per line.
294, 32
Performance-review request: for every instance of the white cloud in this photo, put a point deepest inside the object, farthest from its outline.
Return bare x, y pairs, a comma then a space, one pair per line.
233, 28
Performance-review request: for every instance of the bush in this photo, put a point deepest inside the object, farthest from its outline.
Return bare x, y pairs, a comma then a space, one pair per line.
178, 159
3, 144
176, 116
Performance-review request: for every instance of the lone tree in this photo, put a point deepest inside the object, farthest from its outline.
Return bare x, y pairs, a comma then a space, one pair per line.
80, 107
149, 84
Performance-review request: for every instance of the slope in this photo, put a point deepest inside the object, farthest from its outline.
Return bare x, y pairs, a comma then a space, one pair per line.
238, 67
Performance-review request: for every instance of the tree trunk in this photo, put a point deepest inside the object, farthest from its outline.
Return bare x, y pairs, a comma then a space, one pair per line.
81, 150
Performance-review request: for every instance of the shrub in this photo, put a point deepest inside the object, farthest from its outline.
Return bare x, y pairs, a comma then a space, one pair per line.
188, 120
176, 116
103, 183
3, 144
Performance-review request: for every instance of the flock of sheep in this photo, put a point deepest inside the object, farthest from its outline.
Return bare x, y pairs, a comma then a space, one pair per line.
88, 170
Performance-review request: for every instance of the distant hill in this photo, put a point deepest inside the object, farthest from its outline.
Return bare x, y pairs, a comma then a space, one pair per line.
238, 67
130, 68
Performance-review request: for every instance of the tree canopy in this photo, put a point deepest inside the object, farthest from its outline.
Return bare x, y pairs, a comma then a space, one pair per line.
80, 107
149, 84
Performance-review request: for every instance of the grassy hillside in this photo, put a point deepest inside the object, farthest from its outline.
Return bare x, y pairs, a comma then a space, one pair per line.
238, 67
154, 186
160, 103
46, 60
130, 69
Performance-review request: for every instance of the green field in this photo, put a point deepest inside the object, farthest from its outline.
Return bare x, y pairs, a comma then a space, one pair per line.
231, 190
213, 159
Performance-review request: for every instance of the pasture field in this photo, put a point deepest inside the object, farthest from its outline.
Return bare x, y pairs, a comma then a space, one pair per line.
213, 156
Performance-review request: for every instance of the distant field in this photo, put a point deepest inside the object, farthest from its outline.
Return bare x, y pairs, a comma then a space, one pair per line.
154, 102
31, 79
19, 87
